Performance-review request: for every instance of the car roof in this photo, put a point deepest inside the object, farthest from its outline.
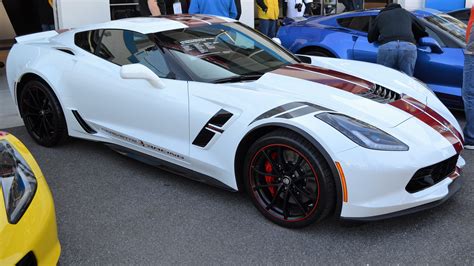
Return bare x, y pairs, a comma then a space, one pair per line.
148, 25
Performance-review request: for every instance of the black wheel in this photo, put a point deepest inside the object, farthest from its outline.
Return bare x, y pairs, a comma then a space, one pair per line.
288, 180
42, 114
321, 53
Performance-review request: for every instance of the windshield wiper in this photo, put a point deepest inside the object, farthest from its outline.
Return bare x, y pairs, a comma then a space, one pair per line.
237, 78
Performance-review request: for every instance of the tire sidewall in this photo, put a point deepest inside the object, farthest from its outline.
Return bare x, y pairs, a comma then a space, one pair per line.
59, 121
308, 152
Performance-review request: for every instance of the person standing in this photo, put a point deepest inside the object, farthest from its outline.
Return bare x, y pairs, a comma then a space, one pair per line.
348, 5
397, 31
295, 8
468, 85
238, 5
45, 14
223, 8
151, 7
267, 13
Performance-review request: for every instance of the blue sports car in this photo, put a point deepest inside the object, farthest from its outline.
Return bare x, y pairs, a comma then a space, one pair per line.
440, 56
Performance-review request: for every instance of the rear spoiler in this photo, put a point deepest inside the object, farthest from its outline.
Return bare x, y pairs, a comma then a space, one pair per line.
36, 37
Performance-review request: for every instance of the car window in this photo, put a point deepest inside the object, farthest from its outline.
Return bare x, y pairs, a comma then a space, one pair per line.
435, 36
212, 52
88, 40
449, 25
124, 47
461, 15
355, 23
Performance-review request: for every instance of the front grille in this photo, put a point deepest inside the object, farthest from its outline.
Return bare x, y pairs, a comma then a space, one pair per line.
431, 175
381, 94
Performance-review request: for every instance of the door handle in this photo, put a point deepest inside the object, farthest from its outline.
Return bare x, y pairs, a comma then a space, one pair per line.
354, 38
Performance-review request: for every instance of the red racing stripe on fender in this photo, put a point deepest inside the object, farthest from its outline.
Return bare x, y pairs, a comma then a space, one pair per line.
328, 80
436, 116
195, 20
418, 110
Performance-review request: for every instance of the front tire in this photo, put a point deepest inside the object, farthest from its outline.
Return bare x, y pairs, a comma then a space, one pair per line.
288, 180
42, 114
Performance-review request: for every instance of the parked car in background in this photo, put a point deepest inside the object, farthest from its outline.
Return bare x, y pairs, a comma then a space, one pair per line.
440, 56
28, 233
461, 14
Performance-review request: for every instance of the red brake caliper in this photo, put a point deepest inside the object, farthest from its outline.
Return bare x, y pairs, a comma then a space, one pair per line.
269, 169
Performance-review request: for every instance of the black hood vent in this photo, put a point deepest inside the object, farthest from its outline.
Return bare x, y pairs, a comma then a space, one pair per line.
381, 94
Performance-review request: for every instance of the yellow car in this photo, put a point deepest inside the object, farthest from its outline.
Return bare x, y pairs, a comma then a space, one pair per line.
28, 232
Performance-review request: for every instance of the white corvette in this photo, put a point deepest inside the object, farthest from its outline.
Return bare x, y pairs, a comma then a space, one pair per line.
213, 100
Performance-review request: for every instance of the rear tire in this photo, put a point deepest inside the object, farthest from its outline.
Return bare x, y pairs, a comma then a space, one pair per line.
42, 114
288, 180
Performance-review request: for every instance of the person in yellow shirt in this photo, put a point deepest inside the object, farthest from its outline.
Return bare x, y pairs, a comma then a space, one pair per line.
267, 13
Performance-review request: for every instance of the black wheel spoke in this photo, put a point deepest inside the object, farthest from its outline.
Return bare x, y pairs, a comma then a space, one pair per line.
296, 164
29, 114
285, 204
301, 178
304, 192
275, 197
263, 173
48, 124
300, 205
34, 99
30, 106
264, 186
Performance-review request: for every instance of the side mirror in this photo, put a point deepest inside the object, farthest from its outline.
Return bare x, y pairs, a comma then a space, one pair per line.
432, 43
139, 71
276, 40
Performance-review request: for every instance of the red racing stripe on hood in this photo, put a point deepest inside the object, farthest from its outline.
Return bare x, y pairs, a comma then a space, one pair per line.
195, 20
336, 80
428, 116
336, 74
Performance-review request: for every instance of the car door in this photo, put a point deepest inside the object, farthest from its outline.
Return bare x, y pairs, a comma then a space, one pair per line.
363, 50
443, 72
131, 111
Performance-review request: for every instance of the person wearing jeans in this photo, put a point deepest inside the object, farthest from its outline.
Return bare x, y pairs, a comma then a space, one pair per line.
398, 55
267, 13
468, 85
397, 40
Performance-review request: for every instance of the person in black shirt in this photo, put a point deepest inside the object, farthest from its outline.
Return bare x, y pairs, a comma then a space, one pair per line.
151, 7
45, 14
397, 31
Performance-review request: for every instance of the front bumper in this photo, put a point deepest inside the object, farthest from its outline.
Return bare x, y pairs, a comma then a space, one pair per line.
376, 182
36, 232
454, 187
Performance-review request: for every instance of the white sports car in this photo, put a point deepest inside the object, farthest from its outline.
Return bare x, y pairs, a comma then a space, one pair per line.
214, 100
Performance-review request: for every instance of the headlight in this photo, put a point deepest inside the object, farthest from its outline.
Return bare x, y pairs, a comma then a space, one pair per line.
17, 180
362, 133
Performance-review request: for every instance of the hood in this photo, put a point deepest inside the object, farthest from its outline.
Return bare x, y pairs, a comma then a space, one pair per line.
364, 99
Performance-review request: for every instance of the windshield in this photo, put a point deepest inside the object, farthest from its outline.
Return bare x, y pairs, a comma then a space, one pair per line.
220, 51
449, 24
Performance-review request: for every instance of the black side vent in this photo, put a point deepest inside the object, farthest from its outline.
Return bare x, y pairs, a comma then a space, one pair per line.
83, 123
64, 50
214, 124
203, 137
381, 94
220, 118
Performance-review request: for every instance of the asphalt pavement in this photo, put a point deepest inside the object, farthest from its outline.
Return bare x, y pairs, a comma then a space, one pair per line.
114, 210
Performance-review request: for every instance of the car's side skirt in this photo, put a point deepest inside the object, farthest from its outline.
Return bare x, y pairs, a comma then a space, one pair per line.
168, 166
